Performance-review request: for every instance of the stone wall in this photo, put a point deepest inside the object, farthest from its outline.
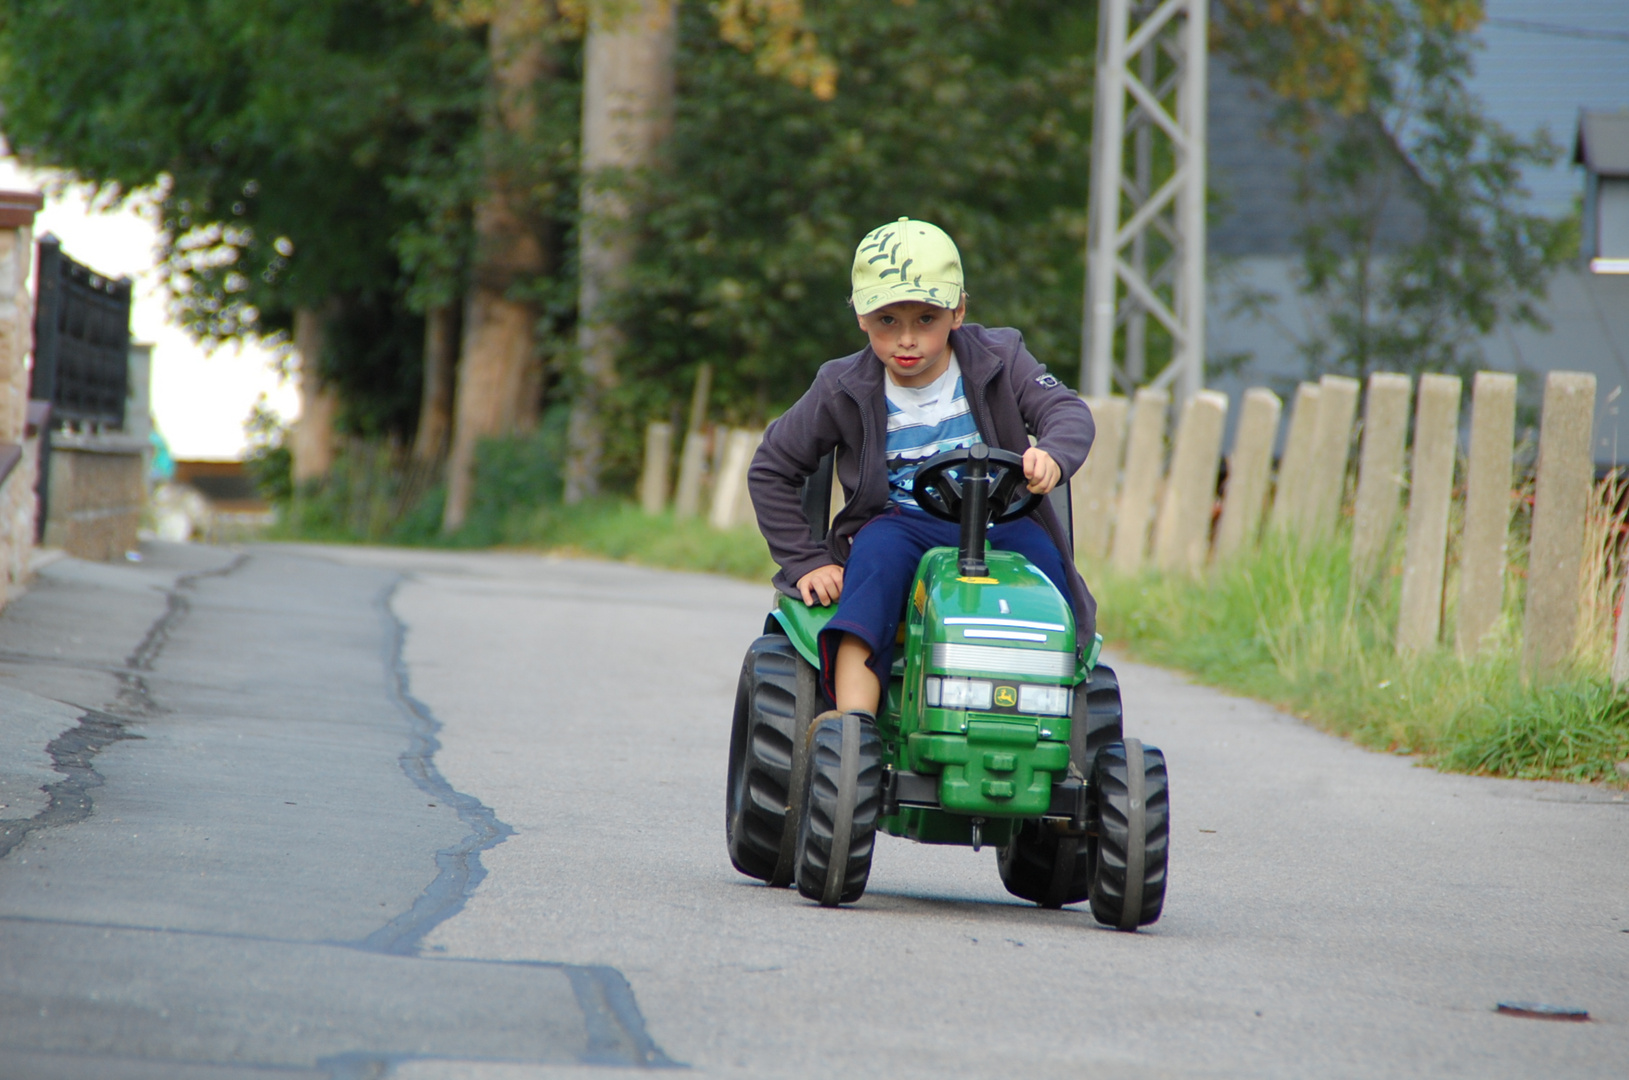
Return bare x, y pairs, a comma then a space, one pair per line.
97, 490
17, 211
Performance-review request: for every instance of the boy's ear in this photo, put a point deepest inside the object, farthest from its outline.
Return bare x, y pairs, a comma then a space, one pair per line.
959, 314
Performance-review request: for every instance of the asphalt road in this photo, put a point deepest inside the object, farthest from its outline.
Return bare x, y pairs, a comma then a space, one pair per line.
361, 813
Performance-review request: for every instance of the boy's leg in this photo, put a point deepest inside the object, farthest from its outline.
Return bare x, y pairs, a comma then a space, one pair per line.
854, 685
857, 645
1026, 537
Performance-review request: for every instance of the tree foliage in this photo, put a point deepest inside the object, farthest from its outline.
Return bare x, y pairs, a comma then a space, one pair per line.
974, 114
302, 149
327, 153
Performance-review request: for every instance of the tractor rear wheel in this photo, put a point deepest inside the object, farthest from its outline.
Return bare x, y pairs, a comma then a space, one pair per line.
1096, 719
1047, 867
776, 697
842, 797
1131, 809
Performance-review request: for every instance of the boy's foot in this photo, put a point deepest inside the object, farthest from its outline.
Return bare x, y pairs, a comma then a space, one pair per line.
838, 714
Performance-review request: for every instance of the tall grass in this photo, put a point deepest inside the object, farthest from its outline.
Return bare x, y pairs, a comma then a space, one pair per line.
1292, 627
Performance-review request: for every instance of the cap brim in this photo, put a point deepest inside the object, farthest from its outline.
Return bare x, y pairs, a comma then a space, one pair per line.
943, 294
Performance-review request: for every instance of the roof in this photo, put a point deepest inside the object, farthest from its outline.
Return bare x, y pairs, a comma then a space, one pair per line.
1603, 142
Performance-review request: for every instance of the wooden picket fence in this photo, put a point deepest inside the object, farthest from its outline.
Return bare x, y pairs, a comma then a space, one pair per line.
712, 469
1143, 501
1136, 511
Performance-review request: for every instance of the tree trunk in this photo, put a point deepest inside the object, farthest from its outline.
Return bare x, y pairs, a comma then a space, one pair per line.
628, 89
499, 376
440, 369
313, 442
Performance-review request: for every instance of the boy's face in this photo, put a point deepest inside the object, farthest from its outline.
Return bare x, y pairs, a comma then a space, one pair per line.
912, 339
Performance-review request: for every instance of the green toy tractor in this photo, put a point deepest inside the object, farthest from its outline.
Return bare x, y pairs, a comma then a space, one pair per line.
997, 727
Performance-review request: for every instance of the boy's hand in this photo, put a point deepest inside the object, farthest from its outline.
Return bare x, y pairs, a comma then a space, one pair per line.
1041, 471
822, 585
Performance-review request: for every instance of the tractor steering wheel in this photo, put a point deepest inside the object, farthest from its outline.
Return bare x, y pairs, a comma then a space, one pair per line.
940, 494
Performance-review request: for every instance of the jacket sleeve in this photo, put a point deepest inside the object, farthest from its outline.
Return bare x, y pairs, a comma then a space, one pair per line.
791, 450
1060, 421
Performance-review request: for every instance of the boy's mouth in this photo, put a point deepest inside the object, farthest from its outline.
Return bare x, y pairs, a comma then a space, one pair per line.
907, 361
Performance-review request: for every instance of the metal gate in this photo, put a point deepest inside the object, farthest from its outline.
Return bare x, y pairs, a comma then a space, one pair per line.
81, 341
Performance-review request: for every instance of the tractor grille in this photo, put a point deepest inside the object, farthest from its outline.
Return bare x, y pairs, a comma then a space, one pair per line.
999, 661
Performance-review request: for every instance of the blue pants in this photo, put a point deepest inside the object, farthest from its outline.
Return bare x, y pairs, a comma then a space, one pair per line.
882, 565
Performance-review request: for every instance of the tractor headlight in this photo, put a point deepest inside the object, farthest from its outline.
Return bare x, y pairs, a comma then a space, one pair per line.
1044, 700
948, 693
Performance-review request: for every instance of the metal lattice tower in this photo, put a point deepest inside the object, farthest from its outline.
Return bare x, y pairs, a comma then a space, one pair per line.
1145, 259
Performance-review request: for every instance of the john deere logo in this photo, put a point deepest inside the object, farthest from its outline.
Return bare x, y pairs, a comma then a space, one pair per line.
1006, 696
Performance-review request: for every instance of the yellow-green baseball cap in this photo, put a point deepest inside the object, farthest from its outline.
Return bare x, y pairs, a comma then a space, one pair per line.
906, 260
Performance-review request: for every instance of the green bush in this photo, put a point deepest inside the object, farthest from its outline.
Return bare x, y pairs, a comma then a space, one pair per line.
378, 495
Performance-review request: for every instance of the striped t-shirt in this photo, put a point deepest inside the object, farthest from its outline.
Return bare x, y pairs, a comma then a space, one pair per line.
924, 421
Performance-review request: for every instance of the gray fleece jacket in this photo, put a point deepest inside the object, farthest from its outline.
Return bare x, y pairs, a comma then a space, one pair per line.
1011, 397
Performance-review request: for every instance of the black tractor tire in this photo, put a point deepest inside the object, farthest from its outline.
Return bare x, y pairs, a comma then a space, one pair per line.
1132, 813
837, 831
776, 697
1047, 867
1096, 719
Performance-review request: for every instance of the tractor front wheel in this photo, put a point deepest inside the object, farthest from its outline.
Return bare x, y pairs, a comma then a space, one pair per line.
1097, 718
842, 796
1132, 814
775, 698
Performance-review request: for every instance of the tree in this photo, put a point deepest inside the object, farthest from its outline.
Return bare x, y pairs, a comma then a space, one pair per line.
1375, 99
627, 116
500, 382
974, 114
283, 137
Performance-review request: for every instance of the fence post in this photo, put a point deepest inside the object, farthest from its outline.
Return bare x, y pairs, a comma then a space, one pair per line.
1325, 477
727, 483
658, 455
1380, 471
1182, 535
1292, 465
1145, 448
1483, 541
1620, 638
1093, 487
1249, 468
1431, 485
1560, 501
692, 470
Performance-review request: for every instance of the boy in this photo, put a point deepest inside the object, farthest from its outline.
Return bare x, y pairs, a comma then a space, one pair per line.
925, 384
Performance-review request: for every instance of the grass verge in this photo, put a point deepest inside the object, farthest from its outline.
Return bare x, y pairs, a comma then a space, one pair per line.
1291, 629
619, 530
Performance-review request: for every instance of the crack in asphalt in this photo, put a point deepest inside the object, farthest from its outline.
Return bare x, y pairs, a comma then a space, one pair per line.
612, 1020
68, 801
610, 1013
458, 867
135, 697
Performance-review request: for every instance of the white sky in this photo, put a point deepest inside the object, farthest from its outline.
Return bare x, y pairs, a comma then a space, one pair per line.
200, 400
